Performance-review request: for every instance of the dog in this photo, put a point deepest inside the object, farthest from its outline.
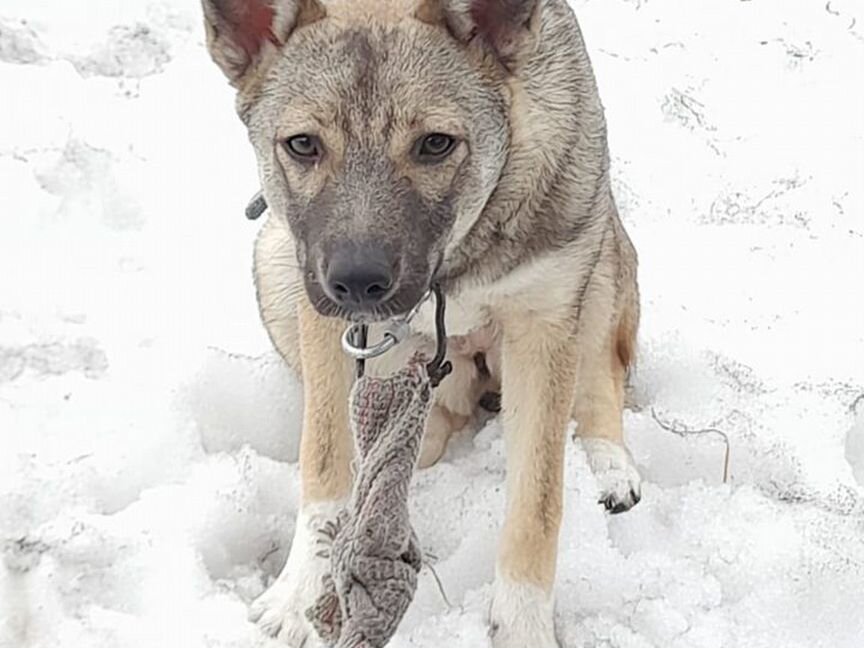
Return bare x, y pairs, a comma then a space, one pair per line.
461, 142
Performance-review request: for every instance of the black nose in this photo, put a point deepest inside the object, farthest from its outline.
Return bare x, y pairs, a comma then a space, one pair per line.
359, 276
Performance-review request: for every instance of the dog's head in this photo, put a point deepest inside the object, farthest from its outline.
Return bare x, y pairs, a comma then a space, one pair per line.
381, 130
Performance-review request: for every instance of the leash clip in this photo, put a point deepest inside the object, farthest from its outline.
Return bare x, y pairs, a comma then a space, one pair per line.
354, 339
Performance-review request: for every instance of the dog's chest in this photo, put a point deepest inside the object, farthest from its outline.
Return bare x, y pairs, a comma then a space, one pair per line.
543, 286
464, 314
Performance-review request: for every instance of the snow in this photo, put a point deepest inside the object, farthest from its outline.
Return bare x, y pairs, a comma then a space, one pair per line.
148, 432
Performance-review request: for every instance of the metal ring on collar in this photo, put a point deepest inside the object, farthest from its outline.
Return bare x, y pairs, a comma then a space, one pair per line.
396, 331
358, 353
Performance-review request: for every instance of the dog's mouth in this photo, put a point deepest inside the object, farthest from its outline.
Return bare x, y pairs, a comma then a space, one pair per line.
371, 315
398, 304
369, 293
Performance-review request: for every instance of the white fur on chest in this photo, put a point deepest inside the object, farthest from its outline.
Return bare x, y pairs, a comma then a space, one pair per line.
464, 313
546, 286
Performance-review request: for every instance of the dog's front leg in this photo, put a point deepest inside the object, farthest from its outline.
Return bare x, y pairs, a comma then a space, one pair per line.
326, 450
539, 374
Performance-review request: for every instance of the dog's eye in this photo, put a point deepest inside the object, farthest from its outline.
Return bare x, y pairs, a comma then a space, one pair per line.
304, 148
434, 147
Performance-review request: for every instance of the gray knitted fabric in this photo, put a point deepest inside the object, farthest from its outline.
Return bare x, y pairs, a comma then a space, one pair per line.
374, 555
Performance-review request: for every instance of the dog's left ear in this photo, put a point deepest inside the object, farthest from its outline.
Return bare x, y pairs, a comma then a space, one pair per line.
507, 27
239, 32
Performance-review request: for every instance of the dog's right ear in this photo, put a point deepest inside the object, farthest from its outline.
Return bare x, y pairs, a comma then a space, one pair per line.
240, 32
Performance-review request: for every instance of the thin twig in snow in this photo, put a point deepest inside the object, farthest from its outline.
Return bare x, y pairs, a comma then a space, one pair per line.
441, 590
684, 431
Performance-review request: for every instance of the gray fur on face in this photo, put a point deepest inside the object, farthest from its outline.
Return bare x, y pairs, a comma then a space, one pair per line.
531, 177
378, 90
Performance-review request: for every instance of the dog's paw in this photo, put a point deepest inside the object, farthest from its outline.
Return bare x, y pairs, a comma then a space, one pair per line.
281, 610
279, 613
440, 426
522, 616
616, 473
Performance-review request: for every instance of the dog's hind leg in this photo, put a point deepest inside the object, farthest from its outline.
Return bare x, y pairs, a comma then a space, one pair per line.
455, 402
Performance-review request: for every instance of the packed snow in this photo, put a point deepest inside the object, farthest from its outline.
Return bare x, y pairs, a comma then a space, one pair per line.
148, 432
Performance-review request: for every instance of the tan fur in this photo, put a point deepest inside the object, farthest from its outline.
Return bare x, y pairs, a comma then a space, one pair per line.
541, 274
603, 371
440, 427
536, 356
326, 448
312, 346
542, 346
278, 298
365, 11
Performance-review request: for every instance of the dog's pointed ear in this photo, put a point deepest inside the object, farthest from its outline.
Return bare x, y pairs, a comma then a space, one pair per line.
507, 27
240, 31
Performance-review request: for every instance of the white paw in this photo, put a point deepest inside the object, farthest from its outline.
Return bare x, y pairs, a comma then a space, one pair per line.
281, 610
616, 473
522, 616
440, 426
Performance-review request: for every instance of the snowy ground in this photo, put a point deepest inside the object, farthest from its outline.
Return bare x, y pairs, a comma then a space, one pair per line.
148, 432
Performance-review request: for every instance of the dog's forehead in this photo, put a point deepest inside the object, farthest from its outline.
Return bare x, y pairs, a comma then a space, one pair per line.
372, 75
360, 12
